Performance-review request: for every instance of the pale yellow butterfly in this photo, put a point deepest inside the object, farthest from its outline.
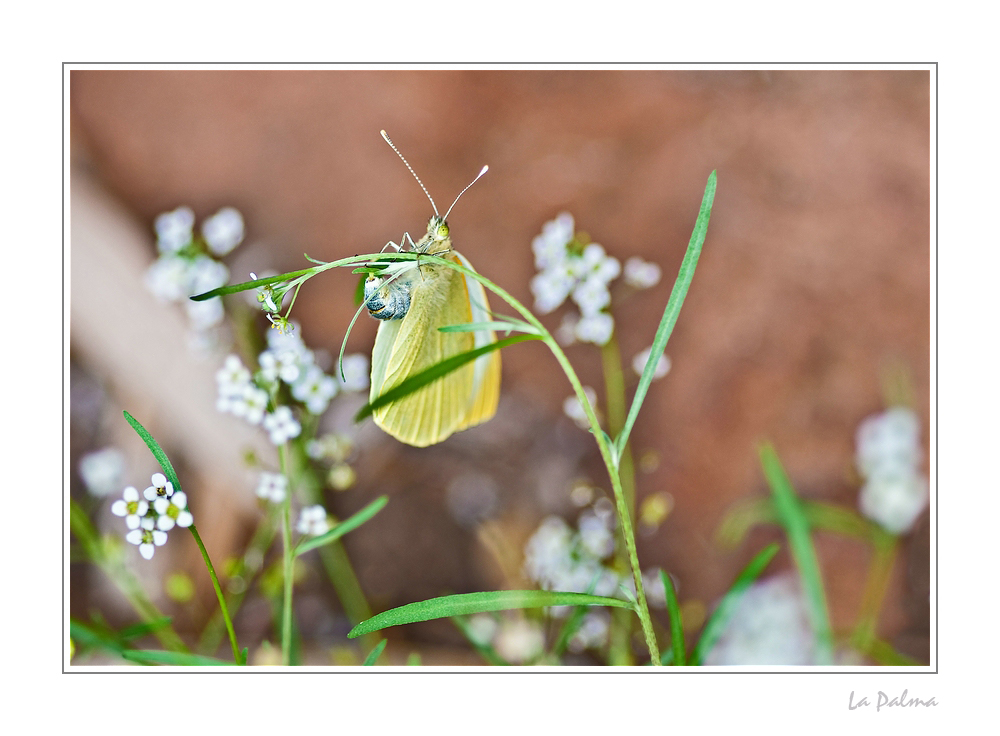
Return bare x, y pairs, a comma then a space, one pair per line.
413, 300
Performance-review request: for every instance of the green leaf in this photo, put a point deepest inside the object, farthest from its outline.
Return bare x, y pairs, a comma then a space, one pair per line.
676, 626
181, 659
359, 291
244, 286
154, 447
793, 519
374, 654
91, 636
684, 277
138, 630
436, 371
467, 603
499, 326
343, 527
884, 654
717, 622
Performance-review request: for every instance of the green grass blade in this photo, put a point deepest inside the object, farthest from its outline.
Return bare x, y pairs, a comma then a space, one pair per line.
676, 625
245, 285
717, 622
181, 659
884, 654
86, 635
154, 447
467, 603
512, 326
138, 630
343, 527
684, 277
796, 525
375, 654
436, 371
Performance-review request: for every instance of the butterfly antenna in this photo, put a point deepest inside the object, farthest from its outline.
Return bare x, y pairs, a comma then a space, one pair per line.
384, 135
482, 171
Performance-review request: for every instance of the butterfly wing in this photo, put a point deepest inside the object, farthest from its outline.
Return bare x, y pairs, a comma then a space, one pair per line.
486, 379
406, 347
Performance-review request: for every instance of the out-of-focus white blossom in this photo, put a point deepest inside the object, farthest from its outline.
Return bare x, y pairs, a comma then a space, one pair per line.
640, 360
315, 389
481, 628
355, 373
641, 274
895, 492
272, 486
174, 229
593, 631
519, 641
596, 328
769, 626
101, 471
281, 425
223, 231
574, 409
313, 521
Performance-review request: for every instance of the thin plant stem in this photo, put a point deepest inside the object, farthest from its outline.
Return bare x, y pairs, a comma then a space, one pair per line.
218, 593
288, 563
610, 461
879, 573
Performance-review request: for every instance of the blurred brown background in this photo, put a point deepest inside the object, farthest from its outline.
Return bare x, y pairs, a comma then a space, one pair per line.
814, 280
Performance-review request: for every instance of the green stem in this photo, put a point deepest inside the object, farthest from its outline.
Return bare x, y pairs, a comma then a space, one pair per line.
610, 461
288, 563
218, 594
879, 572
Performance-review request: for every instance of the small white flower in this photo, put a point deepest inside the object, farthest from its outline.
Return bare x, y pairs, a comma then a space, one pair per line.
595, 328
575, 411
272, 486
172, 511
894, 501
232, 377
289, 340
355, 373
591, 295
482, 627
548, 550
101, 471
173, 229
889, 443
593, 631
641, 274
519, 641
550, 246
281, 425
769, 626
283, 364
206, 313
313, 521
550, 288
566, 331
131, 507
595, 536
315, 389
160, 488
640, 360
223, 231
167, 278
205, 274
146, 537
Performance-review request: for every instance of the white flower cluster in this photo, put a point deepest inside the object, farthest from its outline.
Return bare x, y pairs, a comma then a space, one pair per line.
187, 265
151, 516
558, 557
769, 626
313, 521
285, 360
517, 640
888, 457
569, 269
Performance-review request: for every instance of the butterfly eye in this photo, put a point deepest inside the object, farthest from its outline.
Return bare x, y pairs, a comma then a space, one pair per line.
442, 231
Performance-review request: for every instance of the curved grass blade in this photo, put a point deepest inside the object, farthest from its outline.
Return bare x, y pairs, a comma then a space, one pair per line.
139, 630
466, 603
343, 527
436, 371
679, 656
727, 606
154, 447
796, 525
245, 285
374, 654
181, 659
684, 277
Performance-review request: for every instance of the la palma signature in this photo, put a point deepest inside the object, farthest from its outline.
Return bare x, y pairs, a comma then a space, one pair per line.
884, 701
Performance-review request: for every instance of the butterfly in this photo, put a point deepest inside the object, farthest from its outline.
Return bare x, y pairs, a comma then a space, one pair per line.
412, 299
